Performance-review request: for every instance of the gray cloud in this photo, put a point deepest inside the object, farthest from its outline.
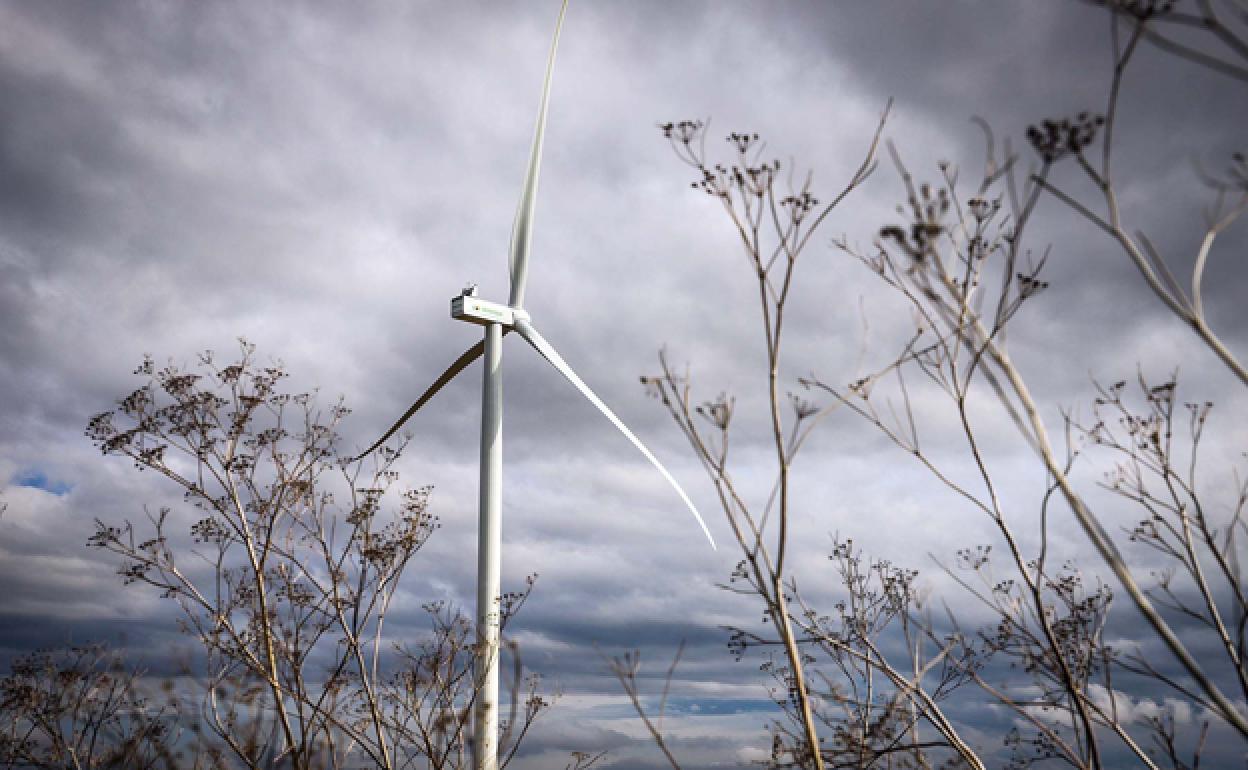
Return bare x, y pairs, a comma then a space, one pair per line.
321, 179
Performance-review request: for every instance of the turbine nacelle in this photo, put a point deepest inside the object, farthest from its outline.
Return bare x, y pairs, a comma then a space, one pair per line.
474, 310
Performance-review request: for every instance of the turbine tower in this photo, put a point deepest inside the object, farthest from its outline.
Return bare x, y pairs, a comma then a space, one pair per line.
497, 320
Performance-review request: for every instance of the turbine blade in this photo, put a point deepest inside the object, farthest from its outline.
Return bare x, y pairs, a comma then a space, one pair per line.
470, 355
539, 343
522, 228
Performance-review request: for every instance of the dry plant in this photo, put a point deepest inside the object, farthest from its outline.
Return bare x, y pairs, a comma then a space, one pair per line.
945, 262
773, 227
626, 668
960, 262
875, 709
1214, 35
291, 569
583, 760
961, 265
1211, 33
82, 708
885, 714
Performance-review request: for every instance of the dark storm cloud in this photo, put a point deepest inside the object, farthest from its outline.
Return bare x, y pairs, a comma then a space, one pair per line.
321, 178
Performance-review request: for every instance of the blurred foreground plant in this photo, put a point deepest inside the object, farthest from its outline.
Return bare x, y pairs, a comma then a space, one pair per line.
81, 708
961, 263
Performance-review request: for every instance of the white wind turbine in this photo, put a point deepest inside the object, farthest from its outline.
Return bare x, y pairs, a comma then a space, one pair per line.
498, 319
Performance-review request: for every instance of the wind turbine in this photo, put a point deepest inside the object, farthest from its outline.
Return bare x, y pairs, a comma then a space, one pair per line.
498, 319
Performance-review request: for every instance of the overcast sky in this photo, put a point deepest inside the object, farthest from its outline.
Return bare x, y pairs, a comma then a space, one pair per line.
321, 178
